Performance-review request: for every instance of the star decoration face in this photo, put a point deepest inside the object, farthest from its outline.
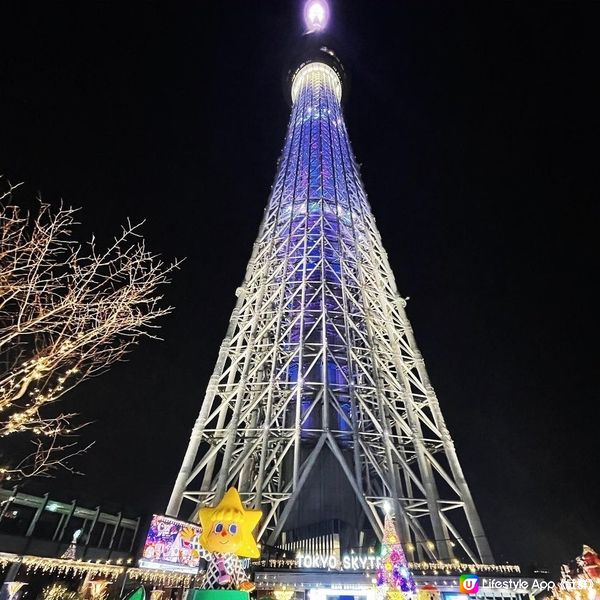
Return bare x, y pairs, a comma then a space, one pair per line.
227, 528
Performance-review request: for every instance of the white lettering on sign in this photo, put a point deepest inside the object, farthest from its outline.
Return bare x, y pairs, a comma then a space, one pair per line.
348, 562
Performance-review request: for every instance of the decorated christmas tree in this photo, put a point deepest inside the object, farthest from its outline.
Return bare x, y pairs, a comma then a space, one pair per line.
394, 579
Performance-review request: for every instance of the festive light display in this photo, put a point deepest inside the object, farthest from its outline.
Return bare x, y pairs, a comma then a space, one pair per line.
70, 553
367, 562
79, 568
461, 567
580, 580
394, 578
59, 591
6, 559
98, 589
164, 578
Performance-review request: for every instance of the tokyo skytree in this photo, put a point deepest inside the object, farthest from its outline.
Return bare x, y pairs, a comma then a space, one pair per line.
320, 409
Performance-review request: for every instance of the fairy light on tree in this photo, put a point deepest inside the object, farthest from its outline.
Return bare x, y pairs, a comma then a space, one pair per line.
67, 312
394, 579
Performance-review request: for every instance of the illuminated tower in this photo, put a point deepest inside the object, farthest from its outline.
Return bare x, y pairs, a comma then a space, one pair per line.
320, 410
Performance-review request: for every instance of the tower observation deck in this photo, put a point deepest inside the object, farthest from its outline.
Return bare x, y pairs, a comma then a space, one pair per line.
320, 409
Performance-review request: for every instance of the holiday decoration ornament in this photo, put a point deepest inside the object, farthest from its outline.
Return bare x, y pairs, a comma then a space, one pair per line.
394, 578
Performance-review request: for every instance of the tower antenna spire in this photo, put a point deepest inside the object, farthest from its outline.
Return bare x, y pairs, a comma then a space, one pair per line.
316, 15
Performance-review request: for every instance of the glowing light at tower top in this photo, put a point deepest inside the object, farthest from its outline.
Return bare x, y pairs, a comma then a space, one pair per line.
316, 15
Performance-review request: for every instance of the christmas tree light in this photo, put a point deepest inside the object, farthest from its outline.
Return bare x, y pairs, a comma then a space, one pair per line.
394, 579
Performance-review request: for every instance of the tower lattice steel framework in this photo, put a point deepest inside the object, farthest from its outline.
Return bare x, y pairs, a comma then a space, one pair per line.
319, 357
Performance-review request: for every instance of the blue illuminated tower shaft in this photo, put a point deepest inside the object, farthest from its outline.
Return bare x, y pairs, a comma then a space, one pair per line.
319, 380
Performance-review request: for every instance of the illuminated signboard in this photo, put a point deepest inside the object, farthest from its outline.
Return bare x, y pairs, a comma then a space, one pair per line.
171, 544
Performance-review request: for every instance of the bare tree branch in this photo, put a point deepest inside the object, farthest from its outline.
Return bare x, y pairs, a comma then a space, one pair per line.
67, 312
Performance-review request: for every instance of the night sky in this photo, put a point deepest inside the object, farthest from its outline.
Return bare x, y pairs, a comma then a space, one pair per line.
472, 123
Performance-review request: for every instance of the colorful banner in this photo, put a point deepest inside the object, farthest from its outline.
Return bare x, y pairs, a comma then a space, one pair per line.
172, 545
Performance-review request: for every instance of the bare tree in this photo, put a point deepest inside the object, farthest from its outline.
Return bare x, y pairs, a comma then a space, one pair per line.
67, 312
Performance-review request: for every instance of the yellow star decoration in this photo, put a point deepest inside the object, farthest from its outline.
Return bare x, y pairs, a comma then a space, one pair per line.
227, 528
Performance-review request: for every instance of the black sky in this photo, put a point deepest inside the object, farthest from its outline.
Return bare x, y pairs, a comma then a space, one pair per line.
472, 121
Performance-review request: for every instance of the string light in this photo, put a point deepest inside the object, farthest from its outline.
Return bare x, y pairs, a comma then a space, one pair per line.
159, 577
63, 566
454, 565
464, 567
7, 558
